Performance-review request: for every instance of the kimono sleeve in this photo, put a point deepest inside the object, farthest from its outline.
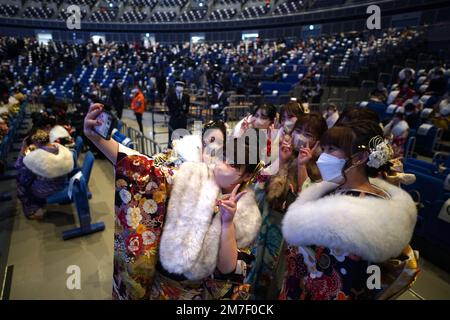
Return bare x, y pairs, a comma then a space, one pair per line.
141, 193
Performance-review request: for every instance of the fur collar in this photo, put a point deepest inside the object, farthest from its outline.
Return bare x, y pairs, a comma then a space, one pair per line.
189, 148
48, 165
372, 228
58, 132
191, 234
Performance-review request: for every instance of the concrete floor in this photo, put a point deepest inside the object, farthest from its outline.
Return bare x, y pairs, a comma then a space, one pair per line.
40, 256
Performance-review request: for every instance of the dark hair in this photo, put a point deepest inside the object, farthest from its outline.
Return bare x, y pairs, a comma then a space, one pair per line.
219, 124
332, 106
352, 137
242, 146
410, 107
353, 114
270, 110
294, 108
312, 122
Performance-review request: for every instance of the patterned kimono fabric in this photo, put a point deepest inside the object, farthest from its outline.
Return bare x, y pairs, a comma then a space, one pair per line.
334, 271
188, 255
32, 189
267, 272
143, 187
233, 286
140, 206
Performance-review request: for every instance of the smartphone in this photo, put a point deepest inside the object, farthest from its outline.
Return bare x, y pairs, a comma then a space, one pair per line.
107, 126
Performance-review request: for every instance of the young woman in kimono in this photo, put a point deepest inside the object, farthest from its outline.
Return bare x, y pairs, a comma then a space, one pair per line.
297, 155
340, 227
179, 233
42, 171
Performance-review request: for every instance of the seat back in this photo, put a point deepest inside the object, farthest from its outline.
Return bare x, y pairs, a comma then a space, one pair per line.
431, 189
87, 166
78, 145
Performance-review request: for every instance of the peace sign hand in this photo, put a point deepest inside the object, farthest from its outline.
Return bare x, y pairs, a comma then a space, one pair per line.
228, 205
305, 154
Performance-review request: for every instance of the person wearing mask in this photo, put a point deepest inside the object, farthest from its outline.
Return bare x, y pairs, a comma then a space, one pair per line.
218, 102
116, 98
138, 106
290, 113
436, 88
339, 228
412, 117
297, 150
331, 115
157, 252
397, 130
178, 103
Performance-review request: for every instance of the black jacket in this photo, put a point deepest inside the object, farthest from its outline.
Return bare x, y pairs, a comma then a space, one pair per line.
178, 108
222, 102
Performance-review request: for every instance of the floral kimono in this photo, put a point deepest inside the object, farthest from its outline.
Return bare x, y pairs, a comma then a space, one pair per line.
190, 240
156, 255
335, 237
140, 205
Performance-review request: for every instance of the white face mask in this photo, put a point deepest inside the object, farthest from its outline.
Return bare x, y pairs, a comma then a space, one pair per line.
330, 168
225, 178
288, 125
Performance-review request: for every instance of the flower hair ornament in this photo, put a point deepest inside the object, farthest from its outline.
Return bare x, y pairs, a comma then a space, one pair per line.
380, 152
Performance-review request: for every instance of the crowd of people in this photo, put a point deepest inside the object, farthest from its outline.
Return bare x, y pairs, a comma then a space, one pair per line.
412, 101
286, 204
305, 226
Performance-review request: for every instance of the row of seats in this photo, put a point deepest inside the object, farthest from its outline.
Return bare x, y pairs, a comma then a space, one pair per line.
6, 146
146, 3
223, 14
89, 3
254, 12
104, 15
430, 191
38, 13
173, 3
289, 7
163, 16
64, 15
8, 10
231, 2
134, 16
193, 15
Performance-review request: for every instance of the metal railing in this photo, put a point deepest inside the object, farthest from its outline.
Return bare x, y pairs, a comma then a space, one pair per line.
142, 143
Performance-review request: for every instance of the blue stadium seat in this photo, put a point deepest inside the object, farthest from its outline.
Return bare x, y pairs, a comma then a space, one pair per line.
62, 197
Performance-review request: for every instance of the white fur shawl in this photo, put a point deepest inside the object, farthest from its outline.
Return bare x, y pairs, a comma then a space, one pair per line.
191, 234
189, 148
373, 228
48, 165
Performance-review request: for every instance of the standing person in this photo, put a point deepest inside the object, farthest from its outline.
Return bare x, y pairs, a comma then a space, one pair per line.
138, 106
116, 97
219, 101
169, 248
161, 86
178, 103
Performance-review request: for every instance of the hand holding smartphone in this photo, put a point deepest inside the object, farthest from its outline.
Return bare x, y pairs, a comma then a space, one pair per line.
107, 125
